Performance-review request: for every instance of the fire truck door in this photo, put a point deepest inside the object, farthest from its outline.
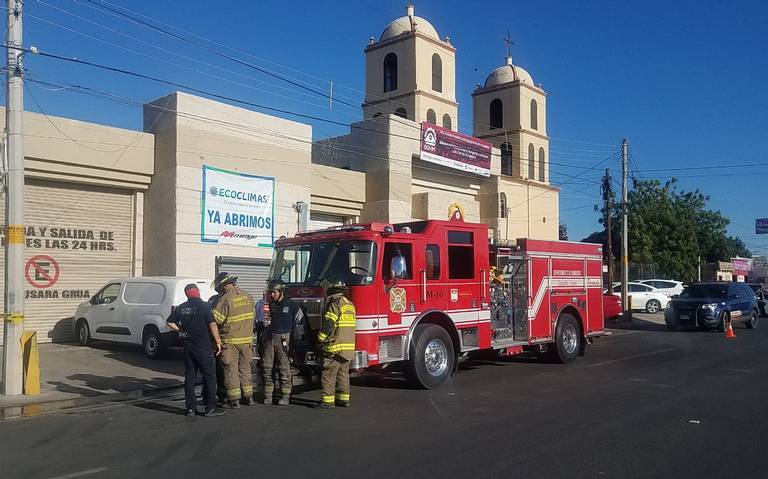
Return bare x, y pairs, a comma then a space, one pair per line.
401, 292
539, 302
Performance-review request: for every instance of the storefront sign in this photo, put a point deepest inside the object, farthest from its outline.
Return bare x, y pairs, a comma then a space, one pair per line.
237, 208
761, 226
455, 150
742, 265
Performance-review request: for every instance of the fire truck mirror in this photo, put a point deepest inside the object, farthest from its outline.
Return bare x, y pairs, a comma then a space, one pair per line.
398, 268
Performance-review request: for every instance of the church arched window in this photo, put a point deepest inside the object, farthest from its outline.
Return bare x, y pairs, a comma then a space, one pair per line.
447, 121
506, 159
390, 72
542, 166
431, 117
534, 115
401, 113
496, 114
531, 162
437, 73
503, 205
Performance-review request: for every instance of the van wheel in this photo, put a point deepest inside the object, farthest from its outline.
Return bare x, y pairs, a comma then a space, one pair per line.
752, 321
723, 323
83, 333
431, 357
567, 339
152, 342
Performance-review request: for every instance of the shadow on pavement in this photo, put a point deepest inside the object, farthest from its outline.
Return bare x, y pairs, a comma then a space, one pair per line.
171, 363
381, 381
93, 384
637, 324
160, 407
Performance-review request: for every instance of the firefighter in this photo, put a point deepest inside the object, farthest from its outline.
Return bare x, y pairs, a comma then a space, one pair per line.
337, 341
234, 313
283, 314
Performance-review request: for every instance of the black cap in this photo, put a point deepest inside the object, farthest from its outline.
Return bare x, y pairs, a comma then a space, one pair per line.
190, 286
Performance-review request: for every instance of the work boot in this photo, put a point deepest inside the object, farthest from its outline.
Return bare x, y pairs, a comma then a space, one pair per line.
248, 401
283, 402
191, 413
233, 404
214, 413
342, 403
322, 405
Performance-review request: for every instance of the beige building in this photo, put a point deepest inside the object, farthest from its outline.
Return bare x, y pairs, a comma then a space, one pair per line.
104, 203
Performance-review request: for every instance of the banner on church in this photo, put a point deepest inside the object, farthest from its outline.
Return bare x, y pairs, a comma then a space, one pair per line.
455, 150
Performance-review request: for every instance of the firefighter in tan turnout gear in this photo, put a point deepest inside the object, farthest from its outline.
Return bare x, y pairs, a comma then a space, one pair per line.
337, 340
234, 313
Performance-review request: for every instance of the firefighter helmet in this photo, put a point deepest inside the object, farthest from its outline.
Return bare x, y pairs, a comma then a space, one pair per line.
222, 279
276, 285
336, 285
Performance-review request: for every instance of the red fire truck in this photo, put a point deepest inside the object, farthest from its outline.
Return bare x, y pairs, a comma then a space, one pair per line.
426, 293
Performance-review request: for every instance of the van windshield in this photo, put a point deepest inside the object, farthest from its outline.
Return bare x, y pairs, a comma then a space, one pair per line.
715, 291
353, 262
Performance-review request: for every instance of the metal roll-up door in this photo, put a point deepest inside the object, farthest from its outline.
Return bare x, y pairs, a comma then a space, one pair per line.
252, 274
78, 238
319, 221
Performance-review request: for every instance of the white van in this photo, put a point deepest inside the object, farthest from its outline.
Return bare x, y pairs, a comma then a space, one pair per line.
134, 311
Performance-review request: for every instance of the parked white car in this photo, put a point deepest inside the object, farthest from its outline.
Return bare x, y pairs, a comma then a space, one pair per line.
669, 287
644, 297
134, 311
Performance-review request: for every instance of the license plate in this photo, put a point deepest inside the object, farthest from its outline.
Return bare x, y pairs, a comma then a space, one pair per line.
685, 316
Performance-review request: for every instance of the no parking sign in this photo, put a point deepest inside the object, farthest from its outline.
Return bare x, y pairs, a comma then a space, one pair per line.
41, 271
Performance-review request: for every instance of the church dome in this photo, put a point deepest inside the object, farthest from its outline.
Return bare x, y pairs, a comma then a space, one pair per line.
507, 74
403, 24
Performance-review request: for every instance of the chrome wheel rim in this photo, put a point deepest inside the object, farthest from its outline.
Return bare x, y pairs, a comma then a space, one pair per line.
152, 343
652, 307
570, 338
436, 357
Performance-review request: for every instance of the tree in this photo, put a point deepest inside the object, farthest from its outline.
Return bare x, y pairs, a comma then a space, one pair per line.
563, 232
671, 229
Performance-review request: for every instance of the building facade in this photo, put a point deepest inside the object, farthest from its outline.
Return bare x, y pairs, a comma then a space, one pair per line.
207, 186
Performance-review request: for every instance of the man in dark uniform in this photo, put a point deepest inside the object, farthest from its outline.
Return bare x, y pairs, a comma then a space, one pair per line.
194, 322
283, 314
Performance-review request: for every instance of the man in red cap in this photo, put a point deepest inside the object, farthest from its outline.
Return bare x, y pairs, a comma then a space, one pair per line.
194, 321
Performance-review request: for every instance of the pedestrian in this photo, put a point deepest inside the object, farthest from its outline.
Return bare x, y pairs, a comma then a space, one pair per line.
337, 342
200, 336
234, 313
283, 314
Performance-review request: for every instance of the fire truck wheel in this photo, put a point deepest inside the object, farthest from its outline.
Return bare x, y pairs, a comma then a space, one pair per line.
431, 357
567, 339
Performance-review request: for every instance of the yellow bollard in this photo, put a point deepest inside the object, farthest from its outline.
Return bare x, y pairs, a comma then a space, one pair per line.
31, 363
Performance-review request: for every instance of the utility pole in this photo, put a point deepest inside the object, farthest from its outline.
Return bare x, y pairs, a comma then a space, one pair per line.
624, 248
14, 207
608, 198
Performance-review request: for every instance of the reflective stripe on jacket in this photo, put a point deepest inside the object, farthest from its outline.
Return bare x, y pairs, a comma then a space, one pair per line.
337, 331
234, 313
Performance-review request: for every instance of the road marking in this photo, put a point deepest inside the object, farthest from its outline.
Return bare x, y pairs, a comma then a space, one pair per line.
631, 357
81, 473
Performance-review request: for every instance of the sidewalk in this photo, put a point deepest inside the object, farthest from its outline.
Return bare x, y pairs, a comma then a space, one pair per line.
70, 372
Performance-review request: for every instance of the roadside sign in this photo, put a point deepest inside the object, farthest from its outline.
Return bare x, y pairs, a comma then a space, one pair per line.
41, 271
761, 226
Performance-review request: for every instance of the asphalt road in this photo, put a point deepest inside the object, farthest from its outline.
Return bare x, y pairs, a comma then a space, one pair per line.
642, 403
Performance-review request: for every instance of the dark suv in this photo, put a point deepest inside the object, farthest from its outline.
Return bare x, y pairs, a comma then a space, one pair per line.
708, 305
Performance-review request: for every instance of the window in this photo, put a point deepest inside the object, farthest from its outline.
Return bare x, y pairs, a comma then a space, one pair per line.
534, 115
397, 249
503, 205
401, 113
496, 114
390, 72
506, 159
447, 121
144, 293
431, 117
433, 261
638, 288
354, 262
461, 255
108, 294
437, 73
531, 162
542, 166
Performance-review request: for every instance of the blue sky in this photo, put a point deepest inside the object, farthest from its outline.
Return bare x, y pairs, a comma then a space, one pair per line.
684, 81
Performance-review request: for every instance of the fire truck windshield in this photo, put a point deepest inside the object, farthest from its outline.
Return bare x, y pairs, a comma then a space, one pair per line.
353, 262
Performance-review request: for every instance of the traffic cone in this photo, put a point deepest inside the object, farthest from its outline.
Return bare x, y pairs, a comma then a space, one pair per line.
729, 331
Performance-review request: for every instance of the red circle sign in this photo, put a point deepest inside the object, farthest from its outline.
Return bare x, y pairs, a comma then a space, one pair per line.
42, 271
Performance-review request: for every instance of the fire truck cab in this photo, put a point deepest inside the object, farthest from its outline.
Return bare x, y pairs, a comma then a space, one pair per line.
426, 293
